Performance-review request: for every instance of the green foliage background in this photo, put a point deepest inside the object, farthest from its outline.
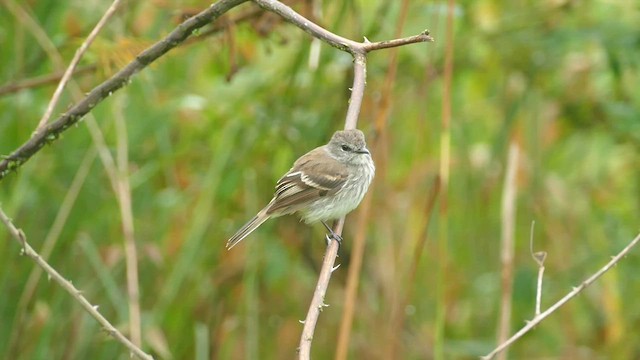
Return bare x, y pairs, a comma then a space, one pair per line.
213, 125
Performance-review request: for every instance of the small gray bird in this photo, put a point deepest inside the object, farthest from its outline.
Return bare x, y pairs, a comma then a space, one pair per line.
324, 184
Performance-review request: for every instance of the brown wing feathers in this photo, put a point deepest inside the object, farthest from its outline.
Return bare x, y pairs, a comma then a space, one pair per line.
306, 182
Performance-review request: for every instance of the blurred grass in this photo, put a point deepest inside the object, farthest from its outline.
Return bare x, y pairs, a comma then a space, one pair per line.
206, 150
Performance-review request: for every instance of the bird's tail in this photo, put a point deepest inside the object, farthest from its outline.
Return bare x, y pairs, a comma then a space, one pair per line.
248, 228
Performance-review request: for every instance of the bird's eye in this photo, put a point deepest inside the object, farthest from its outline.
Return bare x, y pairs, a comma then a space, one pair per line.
345, 148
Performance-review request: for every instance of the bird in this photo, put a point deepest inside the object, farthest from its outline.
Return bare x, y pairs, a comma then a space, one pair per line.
324, 184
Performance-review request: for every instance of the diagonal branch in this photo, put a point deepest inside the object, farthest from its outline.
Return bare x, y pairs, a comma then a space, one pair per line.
576, 290
52, 131
19, 236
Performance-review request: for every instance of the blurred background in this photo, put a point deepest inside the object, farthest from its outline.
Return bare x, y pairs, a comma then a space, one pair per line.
201, 136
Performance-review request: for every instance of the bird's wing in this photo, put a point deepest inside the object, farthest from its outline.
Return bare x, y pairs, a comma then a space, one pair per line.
307, 181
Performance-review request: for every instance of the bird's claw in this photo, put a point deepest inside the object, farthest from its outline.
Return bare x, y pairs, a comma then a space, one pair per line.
333, 236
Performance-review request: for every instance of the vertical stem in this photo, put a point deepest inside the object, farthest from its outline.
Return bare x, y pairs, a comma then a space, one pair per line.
126, 213
357, 90
508, 215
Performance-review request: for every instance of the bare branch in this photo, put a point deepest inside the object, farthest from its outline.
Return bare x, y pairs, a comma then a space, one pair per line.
576, 290
422, 37
52, 131
20, 237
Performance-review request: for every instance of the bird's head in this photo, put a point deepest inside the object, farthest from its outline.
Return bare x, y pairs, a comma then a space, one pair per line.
349, 146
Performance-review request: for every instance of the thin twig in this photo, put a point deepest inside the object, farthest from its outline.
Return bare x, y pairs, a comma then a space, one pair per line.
508, 217
576, 290
539, 258
20, 237
52, 131
379, 45
15, 86
74, 62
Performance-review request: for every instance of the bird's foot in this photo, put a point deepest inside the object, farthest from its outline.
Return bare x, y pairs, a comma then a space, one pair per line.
335, 237
332, 236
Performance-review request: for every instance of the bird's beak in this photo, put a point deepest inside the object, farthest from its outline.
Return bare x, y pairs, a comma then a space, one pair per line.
364, 151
